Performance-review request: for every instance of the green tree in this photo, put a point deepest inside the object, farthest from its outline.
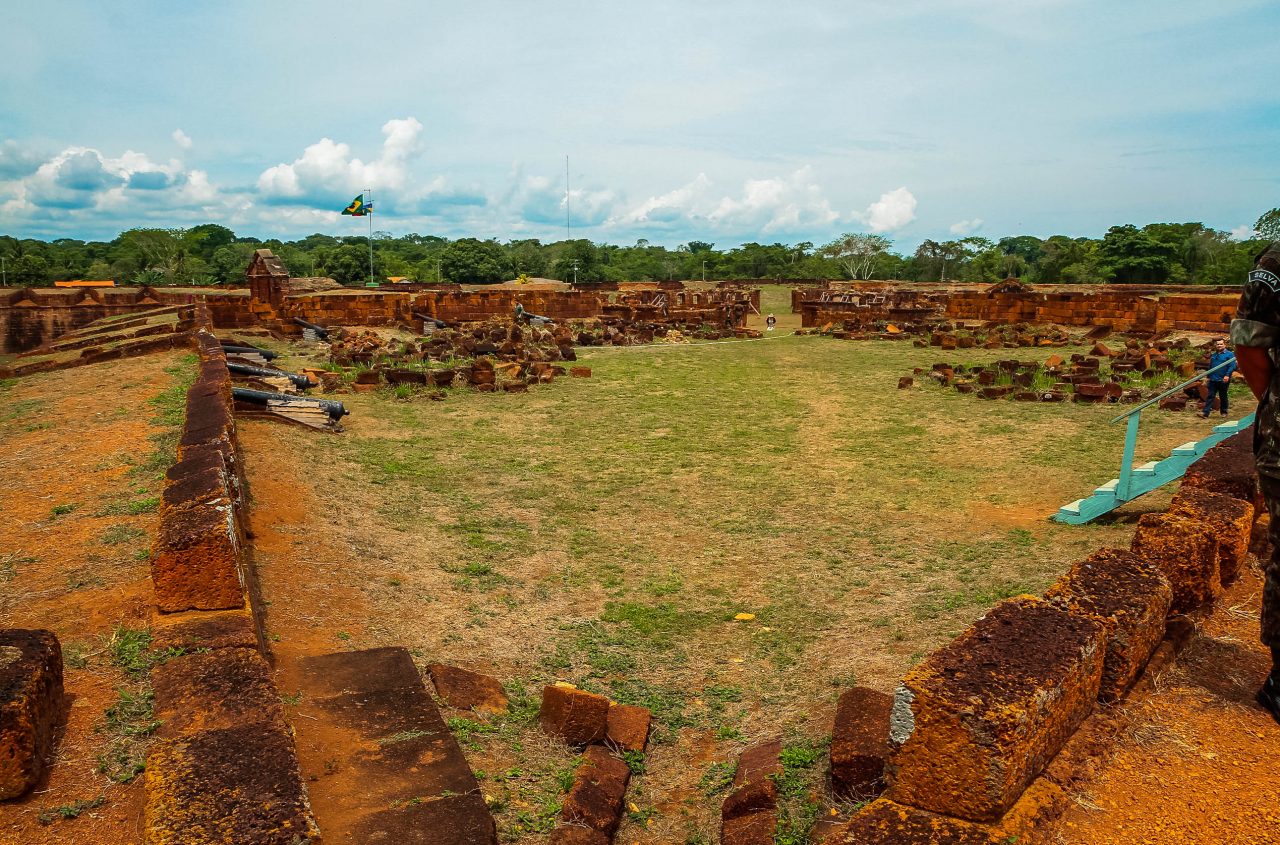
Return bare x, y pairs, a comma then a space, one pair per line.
1129, 255
856, 253
1268, 225
471, 261
349, 264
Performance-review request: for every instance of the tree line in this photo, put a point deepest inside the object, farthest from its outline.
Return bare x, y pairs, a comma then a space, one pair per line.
210, 254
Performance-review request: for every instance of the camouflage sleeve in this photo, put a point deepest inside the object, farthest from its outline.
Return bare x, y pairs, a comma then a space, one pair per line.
1257, 321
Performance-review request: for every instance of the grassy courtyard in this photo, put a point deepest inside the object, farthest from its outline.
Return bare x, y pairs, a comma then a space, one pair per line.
607, 531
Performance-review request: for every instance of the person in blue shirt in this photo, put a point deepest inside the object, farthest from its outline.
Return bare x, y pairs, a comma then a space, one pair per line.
1221, 380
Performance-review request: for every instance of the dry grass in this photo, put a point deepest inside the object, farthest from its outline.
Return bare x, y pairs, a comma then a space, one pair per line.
607, 531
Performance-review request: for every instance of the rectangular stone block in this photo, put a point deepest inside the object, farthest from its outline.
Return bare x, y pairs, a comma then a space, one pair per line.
1185, 551
981, 717
30, 707
235, 784
576, 716
599, 787
223, 768
1130, 598
1228, 468
627, 727
860, 743
195, 561
1232, 522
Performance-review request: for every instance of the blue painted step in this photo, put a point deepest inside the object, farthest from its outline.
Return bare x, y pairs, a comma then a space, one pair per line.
1147, 477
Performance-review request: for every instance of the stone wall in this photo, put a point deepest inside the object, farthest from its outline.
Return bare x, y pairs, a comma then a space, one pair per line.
1128, 309
988, 735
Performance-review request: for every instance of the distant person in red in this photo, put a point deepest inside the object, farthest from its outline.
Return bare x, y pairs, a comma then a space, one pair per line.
1256, 335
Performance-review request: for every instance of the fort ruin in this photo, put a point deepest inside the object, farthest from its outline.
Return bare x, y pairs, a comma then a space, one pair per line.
269, 728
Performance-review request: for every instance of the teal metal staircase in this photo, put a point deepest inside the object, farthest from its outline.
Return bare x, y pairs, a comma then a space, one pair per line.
1140, 480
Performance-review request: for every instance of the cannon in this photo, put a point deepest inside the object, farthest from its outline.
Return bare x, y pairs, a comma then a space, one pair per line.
430, 321
232, 348
532, 319
299, 381
336, 410
321, 331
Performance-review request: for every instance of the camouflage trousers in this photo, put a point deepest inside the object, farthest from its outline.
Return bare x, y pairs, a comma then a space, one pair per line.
1271, 566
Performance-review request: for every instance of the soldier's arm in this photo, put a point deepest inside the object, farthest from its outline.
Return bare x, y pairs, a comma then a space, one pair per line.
1255, 365
1256, 329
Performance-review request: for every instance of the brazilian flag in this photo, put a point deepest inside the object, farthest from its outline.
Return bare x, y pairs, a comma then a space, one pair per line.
357, 207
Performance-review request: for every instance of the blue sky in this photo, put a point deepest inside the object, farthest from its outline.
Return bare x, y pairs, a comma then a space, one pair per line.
723, 122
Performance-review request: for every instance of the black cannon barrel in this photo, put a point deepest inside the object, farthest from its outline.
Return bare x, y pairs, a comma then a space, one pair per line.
334, 409
439, 324
250, 350
298, 380
321, 331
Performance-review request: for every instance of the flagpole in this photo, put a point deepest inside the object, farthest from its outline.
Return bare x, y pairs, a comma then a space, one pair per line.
368, 201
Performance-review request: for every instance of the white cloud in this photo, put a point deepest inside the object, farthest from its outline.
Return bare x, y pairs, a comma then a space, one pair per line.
966, 227
327, 169
182, 139
893, 210
766, 206
1243, 232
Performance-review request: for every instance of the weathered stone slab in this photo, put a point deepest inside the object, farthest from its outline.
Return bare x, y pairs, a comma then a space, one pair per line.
402, 768
468, 690
981, 717
576, 716
1228, 468
749, 816
1130, 598
198, 630
599, 787
1232, 522
30, 707
1186, 551
195, 561
860, 743
216, 689
627, 727
223, 768
234, 784
884, 822
443, 820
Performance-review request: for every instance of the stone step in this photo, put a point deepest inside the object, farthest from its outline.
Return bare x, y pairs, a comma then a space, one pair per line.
382, 764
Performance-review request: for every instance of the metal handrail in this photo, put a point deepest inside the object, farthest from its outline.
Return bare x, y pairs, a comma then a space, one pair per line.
1135, 409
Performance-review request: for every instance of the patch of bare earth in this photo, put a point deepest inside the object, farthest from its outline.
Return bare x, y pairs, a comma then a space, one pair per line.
1198, 764
79, 479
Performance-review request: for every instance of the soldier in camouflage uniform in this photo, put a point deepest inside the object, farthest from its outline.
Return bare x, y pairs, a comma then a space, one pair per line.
1256, 334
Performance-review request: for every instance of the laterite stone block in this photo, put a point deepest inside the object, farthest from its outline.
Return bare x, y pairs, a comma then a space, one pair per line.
627, 727
975, 723
1228, 468
749, 816
883, 822
860, 743
1186, 551
1231, 520
30, 707
468, 690
1129, 597
223, 767
576, 716
195, 562
596, 798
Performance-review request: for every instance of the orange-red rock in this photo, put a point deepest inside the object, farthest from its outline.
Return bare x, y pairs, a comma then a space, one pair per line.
30, 707
981, 717
860, 743
1186, 551
1232, 522
1130, 598
575, 716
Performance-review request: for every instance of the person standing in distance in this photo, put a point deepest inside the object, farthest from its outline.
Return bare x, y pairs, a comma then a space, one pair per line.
1256, 335
1221, 380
